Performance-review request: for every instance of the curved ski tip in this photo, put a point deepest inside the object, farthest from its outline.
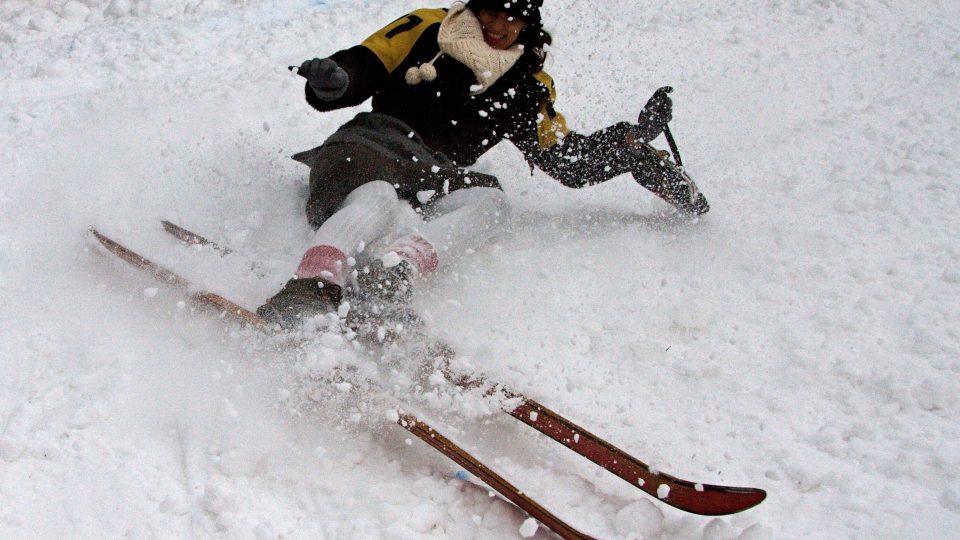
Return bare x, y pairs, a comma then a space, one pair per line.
94, 234
716, 500
752, 498
738, 501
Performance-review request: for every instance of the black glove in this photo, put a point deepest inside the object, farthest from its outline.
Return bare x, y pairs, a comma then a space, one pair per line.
327, 80
656, 113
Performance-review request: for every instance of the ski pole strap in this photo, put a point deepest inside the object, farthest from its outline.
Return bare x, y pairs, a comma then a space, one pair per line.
673, 144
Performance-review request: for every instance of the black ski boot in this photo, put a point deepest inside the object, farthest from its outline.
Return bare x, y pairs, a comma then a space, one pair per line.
381, 310
385, 284
299, 299
658, 173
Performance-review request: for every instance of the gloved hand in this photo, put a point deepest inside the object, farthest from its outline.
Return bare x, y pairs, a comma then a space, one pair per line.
327, 80
656, 113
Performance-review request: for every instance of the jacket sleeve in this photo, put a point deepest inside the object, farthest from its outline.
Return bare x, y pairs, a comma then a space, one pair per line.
371, 63
575, 160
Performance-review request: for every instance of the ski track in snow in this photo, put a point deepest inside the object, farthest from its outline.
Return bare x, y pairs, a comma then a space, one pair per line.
803, 337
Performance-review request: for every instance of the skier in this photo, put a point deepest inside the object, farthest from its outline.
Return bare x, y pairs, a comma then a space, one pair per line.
447, 85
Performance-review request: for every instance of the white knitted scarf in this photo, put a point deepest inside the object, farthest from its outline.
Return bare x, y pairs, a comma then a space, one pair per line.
462, 38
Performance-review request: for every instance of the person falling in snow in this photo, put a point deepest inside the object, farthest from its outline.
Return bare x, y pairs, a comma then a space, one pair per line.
447, 85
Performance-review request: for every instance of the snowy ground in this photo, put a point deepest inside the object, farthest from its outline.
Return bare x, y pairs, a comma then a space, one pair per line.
802, 338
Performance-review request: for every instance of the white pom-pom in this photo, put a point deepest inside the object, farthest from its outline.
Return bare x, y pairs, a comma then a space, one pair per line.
428, 72
413, 76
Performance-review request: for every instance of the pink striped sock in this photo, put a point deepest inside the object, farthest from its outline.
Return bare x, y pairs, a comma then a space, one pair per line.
325, 262
417, 251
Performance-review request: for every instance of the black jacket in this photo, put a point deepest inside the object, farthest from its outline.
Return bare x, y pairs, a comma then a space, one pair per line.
518, 107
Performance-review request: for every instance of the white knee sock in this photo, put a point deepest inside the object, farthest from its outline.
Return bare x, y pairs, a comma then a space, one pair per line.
417, 251
368, 213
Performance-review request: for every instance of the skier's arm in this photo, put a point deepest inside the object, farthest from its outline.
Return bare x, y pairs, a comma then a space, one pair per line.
369, 64
577, 160
574, 159
584, 160
364, 75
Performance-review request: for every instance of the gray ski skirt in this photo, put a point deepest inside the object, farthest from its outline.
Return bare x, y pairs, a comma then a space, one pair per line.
372, 147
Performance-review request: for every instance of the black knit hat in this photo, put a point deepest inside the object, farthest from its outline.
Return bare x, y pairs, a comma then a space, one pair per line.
526, 10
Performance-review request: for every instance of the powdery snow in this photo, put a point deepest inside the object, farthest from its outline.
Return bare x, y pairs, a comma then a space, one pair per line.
801, 338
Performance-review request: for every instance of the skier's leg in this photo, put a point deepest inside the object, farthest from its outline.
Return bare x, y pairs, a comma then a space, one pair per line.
317, 287
366, 215
463, 220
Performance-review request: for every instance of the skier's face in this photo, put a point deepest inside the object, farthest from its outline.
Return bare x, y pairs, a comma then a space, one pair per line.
500, 30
